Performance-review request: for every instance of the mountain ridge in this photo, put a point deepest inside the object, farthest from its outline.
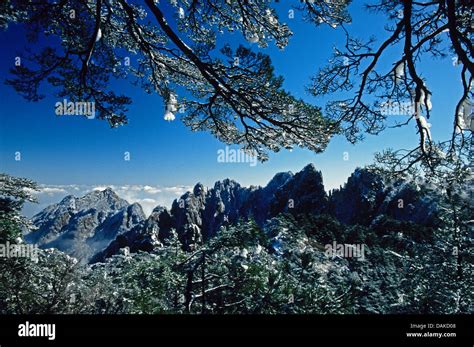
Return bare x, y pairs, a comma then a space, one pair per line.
200, 213
83, 226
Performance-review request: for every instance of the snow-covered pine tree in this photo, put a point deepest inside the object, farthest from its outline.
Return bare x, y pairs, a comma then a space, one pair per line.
173, 48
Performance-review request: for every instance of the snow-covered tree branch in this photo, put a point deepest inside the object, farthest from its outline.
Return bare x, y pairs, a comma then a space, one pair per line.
171, 48
437, 28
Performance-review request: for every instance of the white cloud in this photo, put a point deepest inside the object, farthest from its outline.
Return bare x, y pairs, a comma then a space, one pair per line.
100, 188
178, 189
51, 190
151, 190
148, 201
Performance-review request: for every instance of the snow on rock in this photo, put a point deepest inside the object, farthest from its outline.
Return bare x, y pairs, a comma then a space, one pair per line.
83, 226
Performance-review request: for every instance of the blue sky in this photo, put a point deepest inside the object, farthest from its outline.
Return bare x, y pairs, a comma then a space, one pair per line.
70, 151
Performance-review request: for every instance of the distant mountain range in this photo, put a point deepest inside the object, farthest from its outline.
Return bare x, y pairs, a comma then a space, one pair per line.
84, 226
97, 225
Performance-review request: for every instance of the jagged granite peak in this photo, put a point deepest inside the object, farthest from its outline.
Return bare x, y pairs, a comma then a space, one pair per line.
135, 214
83, 226
199, 189
144, 236
367, 195
411, 203
199, 214
302, 193
223, 206
105, 199
187, 216
159, 223
158, 209
356, 201
278, 180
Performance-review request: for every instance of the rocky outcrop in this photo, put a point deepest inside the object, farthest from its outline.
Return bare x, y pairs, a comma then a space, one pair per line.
101, 223
83, 226
198, 215
366, 196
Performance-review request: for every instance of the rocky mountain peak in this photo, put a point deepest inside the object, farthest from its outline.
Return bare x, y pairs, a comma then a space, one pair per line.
199, 190
278, 180
83, 226
105, 199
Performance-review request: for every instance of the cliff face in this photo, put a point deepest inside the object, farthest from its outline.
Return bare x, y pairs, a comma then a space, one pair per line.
83, 226
366, 196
